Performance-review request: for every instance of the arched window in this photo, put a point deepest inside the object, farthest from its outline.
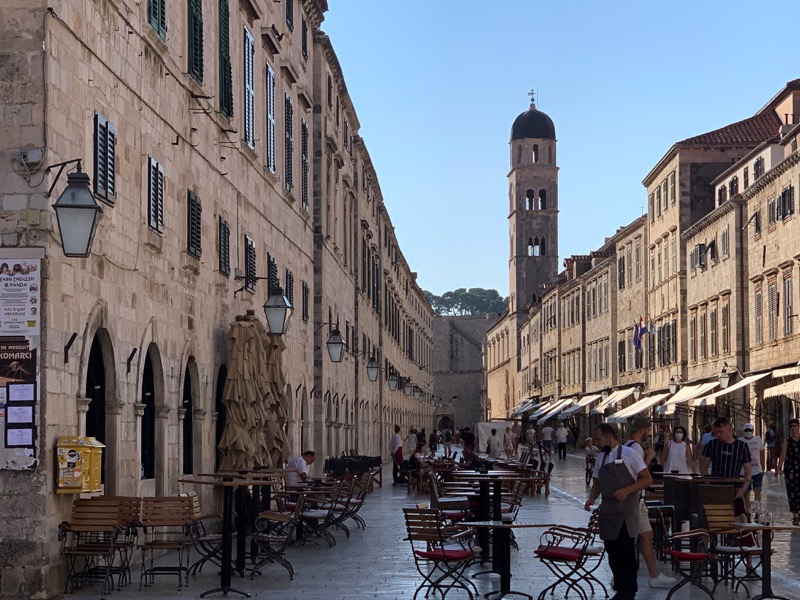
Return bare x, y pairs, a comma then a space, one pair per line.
536, 153
536, 247
542, 199
550, 154
541, 247
530, 246
530, 197
148, 443
188, 420
519, 153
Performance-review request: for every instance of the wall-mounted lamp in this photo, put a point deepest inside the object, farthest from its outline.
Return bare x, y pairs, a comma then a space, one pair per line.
373, 370
77, 211
604, 395
335, 345
725, 376
277, 309
674, 383
417, 393
393, 380
637, 392
407, 387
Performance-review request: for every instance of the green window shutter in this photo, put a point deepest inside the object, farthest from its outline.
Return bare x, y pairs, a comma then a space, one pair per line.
195, 26
105, 139
157, 16
225, 68
224, 247
194, 225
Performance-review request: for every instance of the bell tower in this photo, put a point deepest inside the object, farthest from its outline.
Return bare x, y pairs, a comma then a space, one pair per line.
533, 208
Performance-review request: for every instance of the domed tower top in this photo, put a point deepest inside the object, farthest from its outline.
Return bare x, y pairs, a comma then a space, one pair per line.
533, 123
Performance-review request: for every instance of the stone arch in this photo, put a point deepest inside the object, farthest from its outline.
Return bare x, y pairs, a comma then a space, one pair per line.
530, 200
535, 153
542, 199
154, 414
530, 246
190, 416
99, 407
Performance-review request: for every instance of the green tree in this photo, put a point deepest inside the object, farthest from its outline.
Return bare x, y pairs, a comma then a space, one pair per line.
463, 301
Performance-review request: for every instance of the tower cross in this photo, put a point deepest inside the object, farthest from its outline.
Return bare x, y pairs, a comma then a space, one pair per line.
532, 94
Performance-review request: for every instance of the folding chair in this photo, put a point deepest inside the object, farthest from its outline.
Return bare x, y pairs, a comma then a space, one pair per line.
205, 540
166, 523
733, 549
439, 553
692, 562
274, 532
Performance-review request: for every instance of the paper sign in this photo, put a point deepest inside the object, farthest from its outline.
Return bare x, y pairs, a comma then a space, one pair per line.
20, 414
21, 392
19, 437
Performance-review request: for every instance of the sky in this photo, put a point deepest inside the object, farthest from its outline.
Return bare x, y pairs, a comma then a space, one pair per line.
437, 84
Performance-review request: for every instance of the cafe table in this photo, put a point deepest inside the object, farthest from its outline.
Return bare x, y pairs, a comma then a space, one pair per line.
766, 554
231, 482
501, 551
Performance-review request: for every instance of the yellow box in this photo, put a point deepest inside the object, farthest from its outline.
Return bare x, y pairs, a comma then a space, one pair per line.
79, 463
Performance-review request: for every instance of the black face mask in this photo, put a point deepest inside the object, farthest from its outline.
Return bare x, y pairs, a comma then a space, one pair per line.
607, 449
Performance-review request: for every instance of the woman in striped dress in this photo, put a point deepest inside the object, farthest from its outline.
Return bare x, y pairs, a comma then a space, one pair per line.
789, 463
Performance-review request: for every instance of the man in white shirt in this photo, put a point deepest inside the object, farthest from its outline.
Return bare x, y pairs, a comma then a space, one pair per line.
300, 466
396, 450
757, 459
561, 440
547, 437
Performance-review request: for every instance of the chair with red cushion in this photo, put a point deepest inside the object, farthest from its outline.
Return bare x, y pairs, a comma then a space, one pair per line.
440, 553
691, 555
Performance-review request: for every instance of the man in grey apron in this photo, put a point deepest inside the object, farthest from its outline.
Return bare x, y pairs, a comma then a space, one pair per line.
619, 475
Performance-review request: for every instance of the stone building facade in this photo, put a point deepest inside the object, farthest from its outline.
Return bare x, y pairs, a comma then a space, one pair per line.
458, 368
223, 147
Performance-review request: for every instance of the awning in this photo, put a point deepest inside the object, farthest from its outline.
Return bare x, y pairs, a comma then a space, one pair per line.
524, 407
784, 389
582, 403
686, 393
612, 400
542, 409
637, 407
787, 372
555, 408
711, 399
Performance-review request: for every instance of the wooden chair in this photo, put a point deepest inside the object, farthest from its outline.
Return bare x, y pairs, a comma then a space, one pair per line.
274, 532
89, 544
733, 549
206, 539
130, 508
166, 526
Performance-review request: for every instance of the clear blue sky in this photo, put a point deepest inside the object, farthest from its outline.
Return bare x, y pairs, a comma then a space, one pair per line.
437, 84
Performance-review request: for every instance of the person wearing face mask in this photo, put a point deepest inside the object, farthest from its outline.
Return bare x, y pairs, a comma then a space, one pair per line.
678, 453
758, 459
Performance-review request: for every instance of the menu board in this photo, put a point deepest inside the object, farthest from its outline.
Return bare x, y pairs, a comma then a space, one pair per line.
20, 314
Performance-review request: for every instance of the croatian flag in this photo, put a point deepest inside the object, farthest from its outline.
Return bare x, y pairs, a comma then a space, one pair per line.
638, 331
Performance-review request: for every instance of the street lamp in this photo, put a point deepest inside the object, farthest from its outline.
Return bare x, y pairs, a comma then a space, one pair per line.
335, 345
77, 212
393, 381
674, 383
373, 369
637, 391
407, 389
724, 379
278, 309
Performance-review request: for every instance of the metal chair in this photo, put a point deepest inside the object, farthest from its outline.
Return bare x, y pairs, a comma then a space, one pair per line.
690, 561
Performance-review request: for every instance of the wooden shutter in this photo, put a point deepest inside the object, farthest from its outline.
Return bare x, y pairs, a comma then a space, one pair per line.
225, 67
250, 262
224, 247
304, 161
195, 26
194, 225
249, 90
270, 119
289, 143
155, 213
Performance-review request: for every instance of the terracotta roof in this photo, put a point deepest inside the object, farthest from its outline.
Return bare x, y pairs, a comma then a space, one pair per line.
756, 129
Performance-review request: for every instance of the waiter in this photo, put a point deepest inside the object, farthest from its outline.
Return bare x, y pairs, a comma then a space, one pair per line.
619, 475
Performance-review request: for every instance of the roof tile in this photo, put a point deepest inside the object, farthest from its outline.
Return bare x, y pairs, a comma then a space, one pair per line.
754, 130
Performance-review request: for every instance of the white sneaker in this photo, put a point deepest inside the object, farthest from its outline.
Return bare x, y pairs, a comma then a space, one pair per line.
662, 581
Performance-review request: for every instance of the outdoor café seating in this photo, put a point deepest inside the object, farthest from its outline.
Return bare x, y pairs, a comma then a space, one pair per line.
692, 556
166, 526
274, 532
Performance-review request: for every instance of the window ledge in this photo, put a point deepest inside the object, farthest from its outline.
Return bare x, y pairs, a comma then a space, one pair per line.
191, 263
154, 239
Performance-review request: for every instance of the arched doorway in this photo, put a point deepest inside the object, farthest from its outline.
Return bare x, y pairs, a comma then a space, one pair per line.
219, 407
445, 422
189, 394
147, 454
96, 393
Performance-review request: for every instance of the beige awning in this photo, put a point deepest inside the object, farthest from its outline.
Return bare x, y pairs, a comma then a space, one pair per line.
637, 407
555, 408
711, 399
784, 389
543, 409
524, 407
787, 372
582, 403
687, 392
612, 400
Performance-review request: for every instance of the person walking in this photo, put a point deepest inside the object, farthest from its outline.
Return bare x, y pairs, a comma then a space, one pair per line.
678, 453
396, 450
728, 456
411, 442
619, 476
758, 459
561, 441
508, 443
447, 442
548, 433
493, 446
639, 427
789, 464
433, 441
771, 445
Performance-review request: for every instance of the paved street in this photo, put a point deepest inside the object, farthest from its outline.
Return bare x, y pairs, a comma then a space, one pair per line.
376, 563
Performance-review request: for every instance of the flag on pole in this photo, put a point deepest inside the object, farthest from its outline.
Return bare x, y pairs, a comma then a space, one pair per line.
639, 329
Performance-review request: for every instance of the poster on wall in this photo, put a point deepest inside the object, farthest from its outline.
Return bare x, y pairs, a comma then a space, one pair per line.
20, 319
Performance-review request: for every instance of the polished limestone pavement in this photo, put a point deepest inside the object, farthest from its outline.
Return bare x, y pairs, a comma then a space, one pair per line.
376, 562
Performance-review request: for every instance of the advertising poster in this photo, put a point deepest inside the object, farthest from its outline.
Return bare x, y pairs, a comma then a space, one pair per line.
20, 314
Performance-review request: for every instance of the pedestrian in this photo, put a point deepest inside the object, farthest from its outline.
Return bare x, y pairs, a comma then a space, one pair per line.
619, 476
639, 427
508, 443
411, 442
561, 440
707, 436
468, 438
678, 453
433, 442
547, 437
422, 438
773, 449
728, 456
530, 437
789, 463
396, 450
758, 460
493, 445
447, 442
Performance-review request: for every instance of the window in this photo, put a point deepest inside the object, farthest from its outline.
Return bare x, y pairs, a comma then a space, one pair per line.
290, 14
723, 239
746, 177
664, 194
155, 195
692, 339
758, 168
305, 302
330, 90
759, 324
757, 221
621, 272
621, 356
672, 195
658, 262
288, 128
225, 68
304, 39
304, 163
224, 247
288, 289
273, 281
722, 195
787, 306
733, 186
785, 203
771, 212
270, 119
157, 16
652, 267
658, 201
702, 327
249, 263
105, 157
772, 292
194, 225
650, 208
629, 262
195, 27
713, 332
674, 255
638, 255
249, 90
724, 338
